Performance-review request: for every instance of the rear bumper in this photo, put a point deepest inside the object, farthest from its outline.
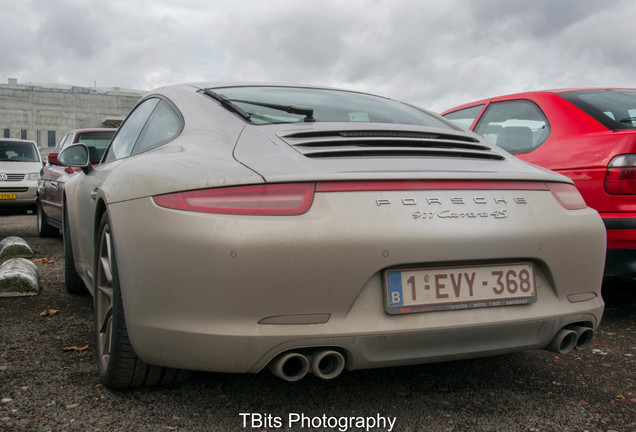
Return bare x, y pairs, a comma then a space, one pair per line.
621, 244
251, 353
621, 230
620, 262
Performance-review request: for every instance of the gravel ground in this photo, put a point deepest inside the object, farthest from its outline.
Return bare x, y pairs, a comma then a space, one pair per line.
48, 379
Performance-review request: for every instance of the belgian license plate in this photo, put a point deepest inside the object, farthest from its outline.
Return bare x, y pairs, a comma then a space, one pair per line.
7, 196
454, 288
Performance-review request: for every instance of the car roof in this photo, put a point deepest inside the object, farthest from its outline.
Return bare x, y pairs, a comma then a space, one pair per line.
213, 84
201, 85
16, 140
529, 94
92, 130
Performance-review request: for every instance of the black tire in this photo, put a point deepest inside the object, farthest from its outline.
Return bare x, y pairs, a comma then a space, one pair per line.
72, 281
44, 229
118, 365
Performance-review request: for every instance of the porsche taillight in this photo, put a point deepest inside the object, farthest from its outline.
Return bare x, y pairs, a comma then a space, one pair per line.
567, 195
289, 199
620, 178
259, 200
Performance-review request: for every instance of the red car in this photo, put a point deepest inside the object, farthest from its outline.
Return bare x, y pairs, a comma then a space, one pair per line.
588, 135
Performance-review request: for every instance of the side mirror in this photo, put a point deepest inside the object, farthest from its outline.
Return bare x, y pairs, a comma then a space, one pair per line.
52, 158
93, 154
76, 155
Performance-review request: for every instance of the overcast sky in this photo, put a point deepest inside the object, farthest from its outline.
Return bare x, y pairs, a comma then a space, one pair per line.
434, 53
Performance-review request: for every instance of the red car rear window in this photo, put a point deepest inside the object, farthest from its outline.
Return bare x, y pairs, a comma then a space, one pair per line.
613, 108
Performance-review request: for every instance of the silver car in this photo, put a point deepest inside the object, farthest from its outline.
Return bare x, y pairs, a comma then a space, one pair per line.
20, 166
236, 228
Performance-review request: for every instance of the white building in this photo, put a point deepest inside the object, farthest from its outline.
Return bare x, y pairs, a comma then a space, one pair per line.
45, 112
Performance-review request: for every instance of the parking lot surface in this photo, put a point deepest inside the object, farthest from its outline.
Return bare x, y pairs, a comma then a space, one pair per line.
48, 379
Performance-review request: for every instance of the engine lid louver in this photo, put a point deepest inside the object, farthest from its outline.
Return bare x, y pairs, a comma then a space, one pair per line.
343, 144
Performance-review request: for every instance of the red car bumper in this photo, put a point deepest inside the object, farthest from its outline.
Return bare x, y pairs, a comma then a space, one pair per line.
621, 244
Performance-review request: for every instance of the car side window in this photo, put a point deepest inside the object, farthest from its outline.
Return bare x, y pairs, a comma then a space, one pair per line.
516, 126
465, 117
163, 125
123, 143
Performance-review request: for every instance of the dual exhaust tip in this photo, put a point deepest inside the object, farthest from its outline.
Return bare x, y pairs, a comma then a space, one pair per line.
293, 366
571, 337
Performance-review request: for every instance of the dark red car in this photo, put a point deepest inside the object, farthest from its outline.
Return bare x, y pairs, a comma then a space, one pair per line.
53, 176
588, 135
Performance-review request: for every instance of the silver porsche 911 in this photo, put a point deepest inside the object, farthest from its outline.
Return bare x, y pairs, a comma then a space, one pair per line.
236, 228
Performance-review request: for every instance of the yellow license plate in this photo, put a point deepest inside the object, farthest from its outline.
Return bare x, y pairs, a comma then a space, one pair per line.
455, 288
5, 196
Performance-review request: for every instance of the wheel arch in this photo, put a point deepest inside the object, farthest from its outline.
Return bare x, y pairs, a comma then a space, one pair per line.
100, 209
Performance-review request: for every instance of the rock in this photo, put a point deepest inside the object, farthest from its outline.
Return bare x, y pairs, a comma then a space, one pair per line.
15, 247
18, 277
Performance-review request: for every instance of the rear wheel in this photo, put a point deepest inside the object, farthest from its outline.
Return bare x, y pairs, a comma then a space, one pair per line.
119, 366
44, 229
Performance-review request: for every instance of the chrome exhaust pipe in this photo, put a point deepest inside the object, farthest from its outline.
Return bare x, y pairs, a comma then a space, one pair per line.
563, 342
327, 364
584, 336
291, 366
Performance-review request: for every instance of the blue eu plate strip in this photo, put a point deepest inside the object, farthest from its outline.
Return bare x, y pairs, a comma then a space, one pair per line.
394, 280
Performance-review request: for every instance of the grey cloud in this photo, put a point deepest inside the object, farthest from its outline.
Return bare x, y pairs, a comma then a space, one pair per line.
539, 18
76, 30
436, 54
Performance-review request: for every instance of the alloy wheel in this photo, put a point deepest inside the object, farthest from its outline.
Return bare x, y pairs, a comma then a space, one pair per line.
104, 299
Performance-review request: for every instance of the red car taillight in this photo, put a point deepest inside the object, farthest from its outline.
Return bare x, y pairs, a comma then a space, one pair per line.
261, 200
620, 178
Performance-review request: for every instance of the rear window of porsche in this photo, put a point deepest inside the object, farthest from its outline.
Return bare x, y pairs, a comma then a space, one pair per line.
271, 104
